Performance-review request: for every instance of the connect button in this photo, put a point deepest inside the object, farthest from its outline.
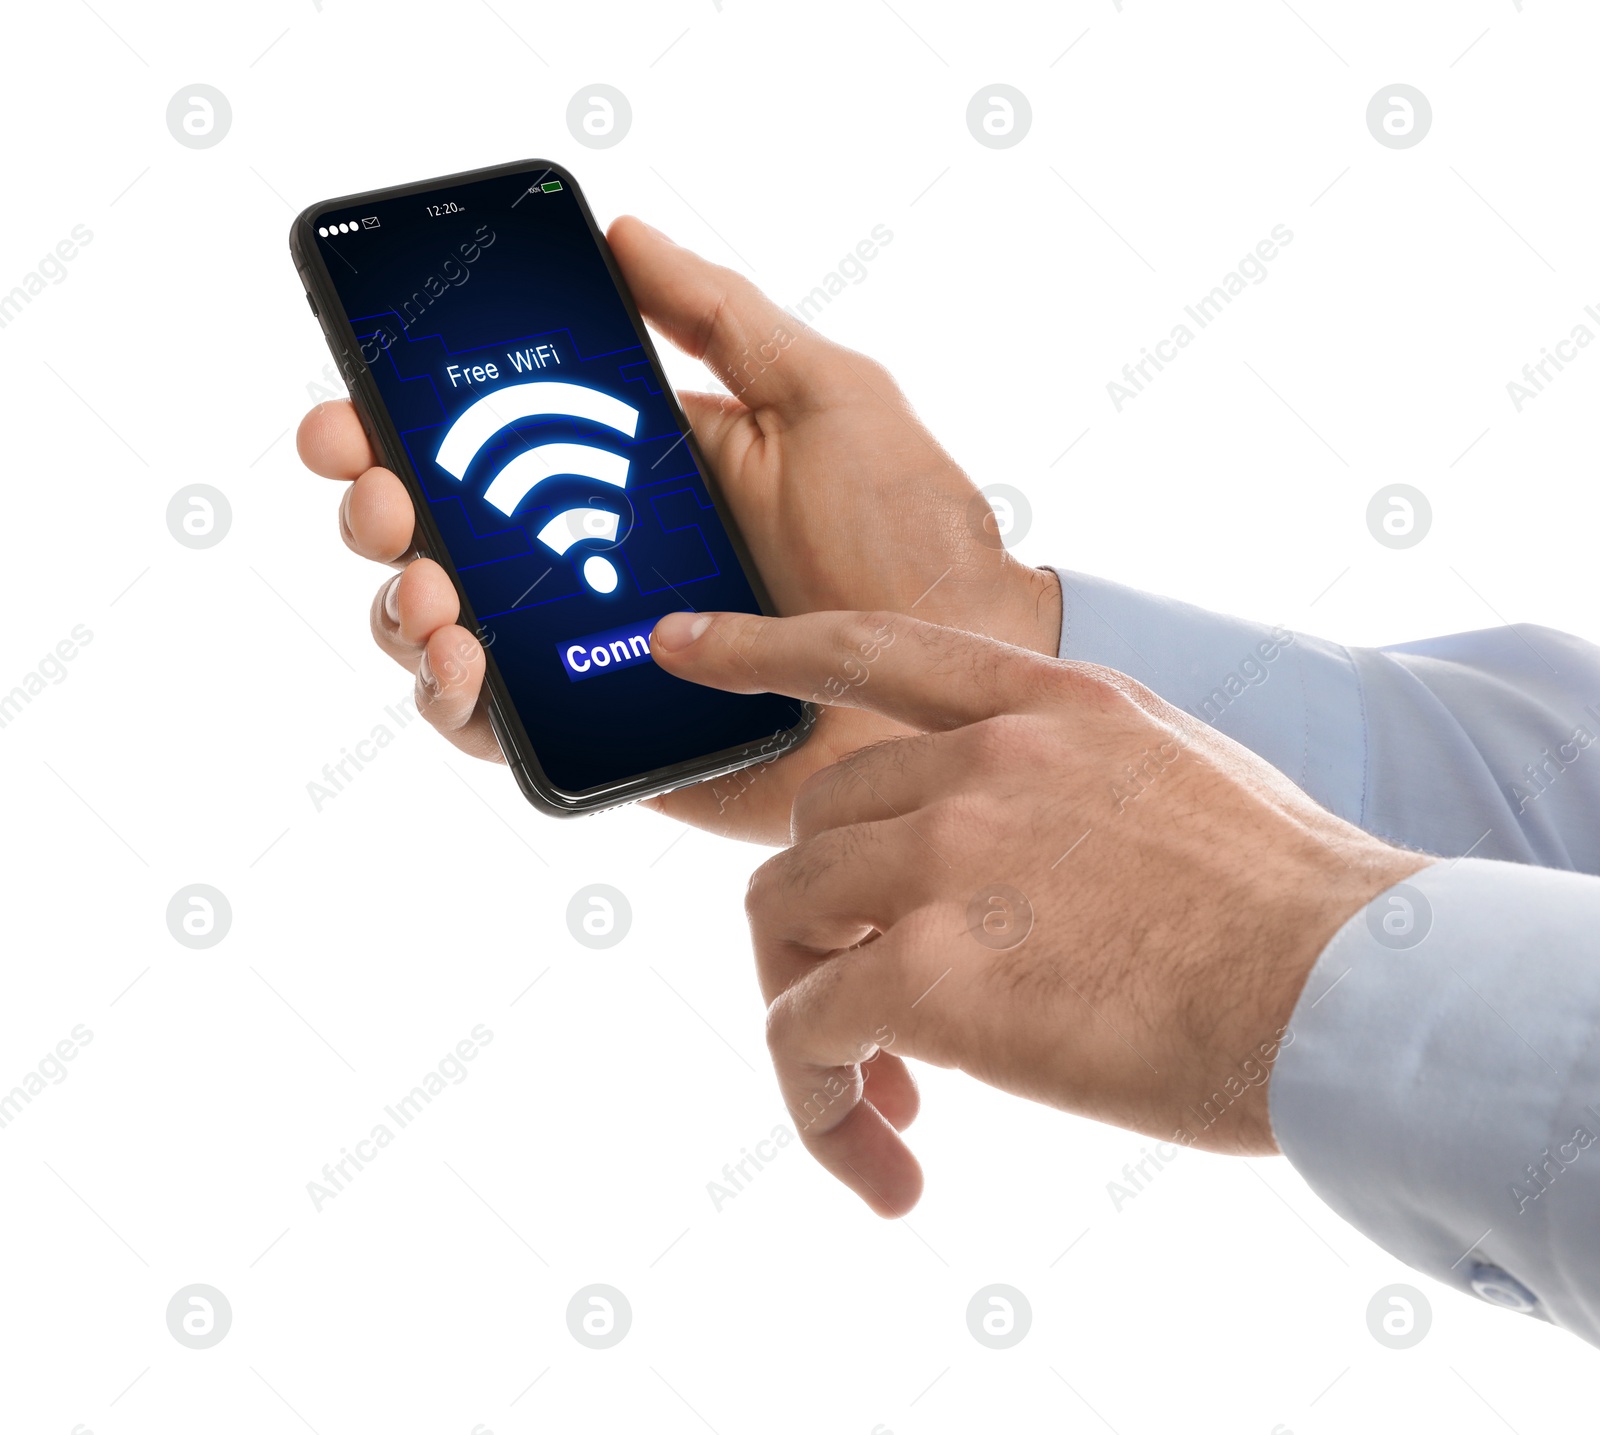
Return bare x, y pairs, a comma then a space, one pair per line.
624, 647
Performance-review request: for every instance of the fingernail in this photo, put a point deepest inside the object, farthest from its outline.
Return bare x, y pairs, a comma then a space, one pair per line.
430, 684
678, 630
391, 599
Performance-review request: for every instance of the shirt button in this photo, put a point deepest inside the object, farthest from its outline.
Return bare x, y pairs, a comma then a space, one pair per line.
1498, 1288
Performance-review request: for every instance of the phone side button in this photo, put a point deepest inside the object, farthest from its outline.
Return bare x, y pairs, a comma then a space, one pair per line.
313, 303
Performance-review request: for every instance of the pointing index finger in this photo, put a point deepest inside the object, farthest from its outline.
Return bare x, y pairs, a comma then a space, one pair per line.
918, 673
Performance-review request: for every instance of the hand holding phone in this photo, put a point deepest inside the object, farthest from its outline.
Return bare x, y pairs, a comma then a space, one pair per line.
843, 496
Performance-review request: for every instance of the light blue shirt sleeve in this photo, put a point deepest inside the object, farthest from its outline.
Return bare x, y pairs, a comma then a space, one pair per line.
1442, 1087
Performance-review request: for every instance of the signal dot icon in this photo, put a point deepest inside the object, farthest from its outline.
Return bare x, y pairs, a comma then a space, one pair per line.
481, 420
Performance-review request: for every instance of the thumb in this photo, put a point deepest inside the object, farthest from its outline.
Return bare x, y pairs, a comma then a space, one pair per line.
920, 674
764, 356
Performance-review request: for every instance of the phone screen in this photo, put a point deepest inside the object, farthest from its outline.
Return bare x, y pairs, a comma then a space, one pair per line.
554, 463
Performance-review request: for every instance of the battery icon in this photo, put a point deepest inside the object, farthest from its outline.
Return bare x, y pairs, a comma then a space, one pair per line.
550, 186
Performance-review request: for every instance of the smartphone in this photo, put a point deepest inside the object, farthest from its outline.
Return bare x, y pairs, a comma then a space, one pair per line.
501, 369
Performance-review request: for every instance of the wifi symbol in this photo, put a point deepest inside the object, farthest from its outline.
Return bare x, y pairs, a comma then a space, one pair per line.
482, 420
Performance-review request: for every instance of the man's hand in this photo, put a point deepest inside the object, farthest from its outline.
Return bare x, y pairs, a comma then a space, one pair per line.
1065, 887
844, 498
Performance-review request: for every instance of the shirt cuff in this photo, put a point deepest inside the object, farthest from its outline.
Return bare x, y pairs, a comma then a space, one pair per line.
1294, 700
1440, 1084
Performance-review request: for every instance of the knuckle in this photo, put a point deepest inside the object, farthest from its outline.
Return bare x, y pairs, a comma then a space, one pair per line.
877, 622
951, 823
873, 372
860, 376
999, 750
1003, 738
783, 1026
1122, 704
859, 638
1095, 684
773, 892
760, 892
733, 645
1048, 683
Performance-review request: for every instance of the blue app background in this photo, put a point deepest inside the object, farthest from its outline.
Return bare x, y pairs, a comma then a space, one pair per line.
509, 272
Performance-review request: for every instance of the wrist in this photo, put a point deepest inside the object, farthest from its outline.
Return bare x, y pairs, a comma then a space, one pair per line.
1304, 901
1317, 918
1031, 616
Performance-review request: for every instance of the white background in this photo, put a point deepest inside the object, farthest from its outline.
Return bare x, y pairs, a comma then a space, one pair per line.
369, 938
